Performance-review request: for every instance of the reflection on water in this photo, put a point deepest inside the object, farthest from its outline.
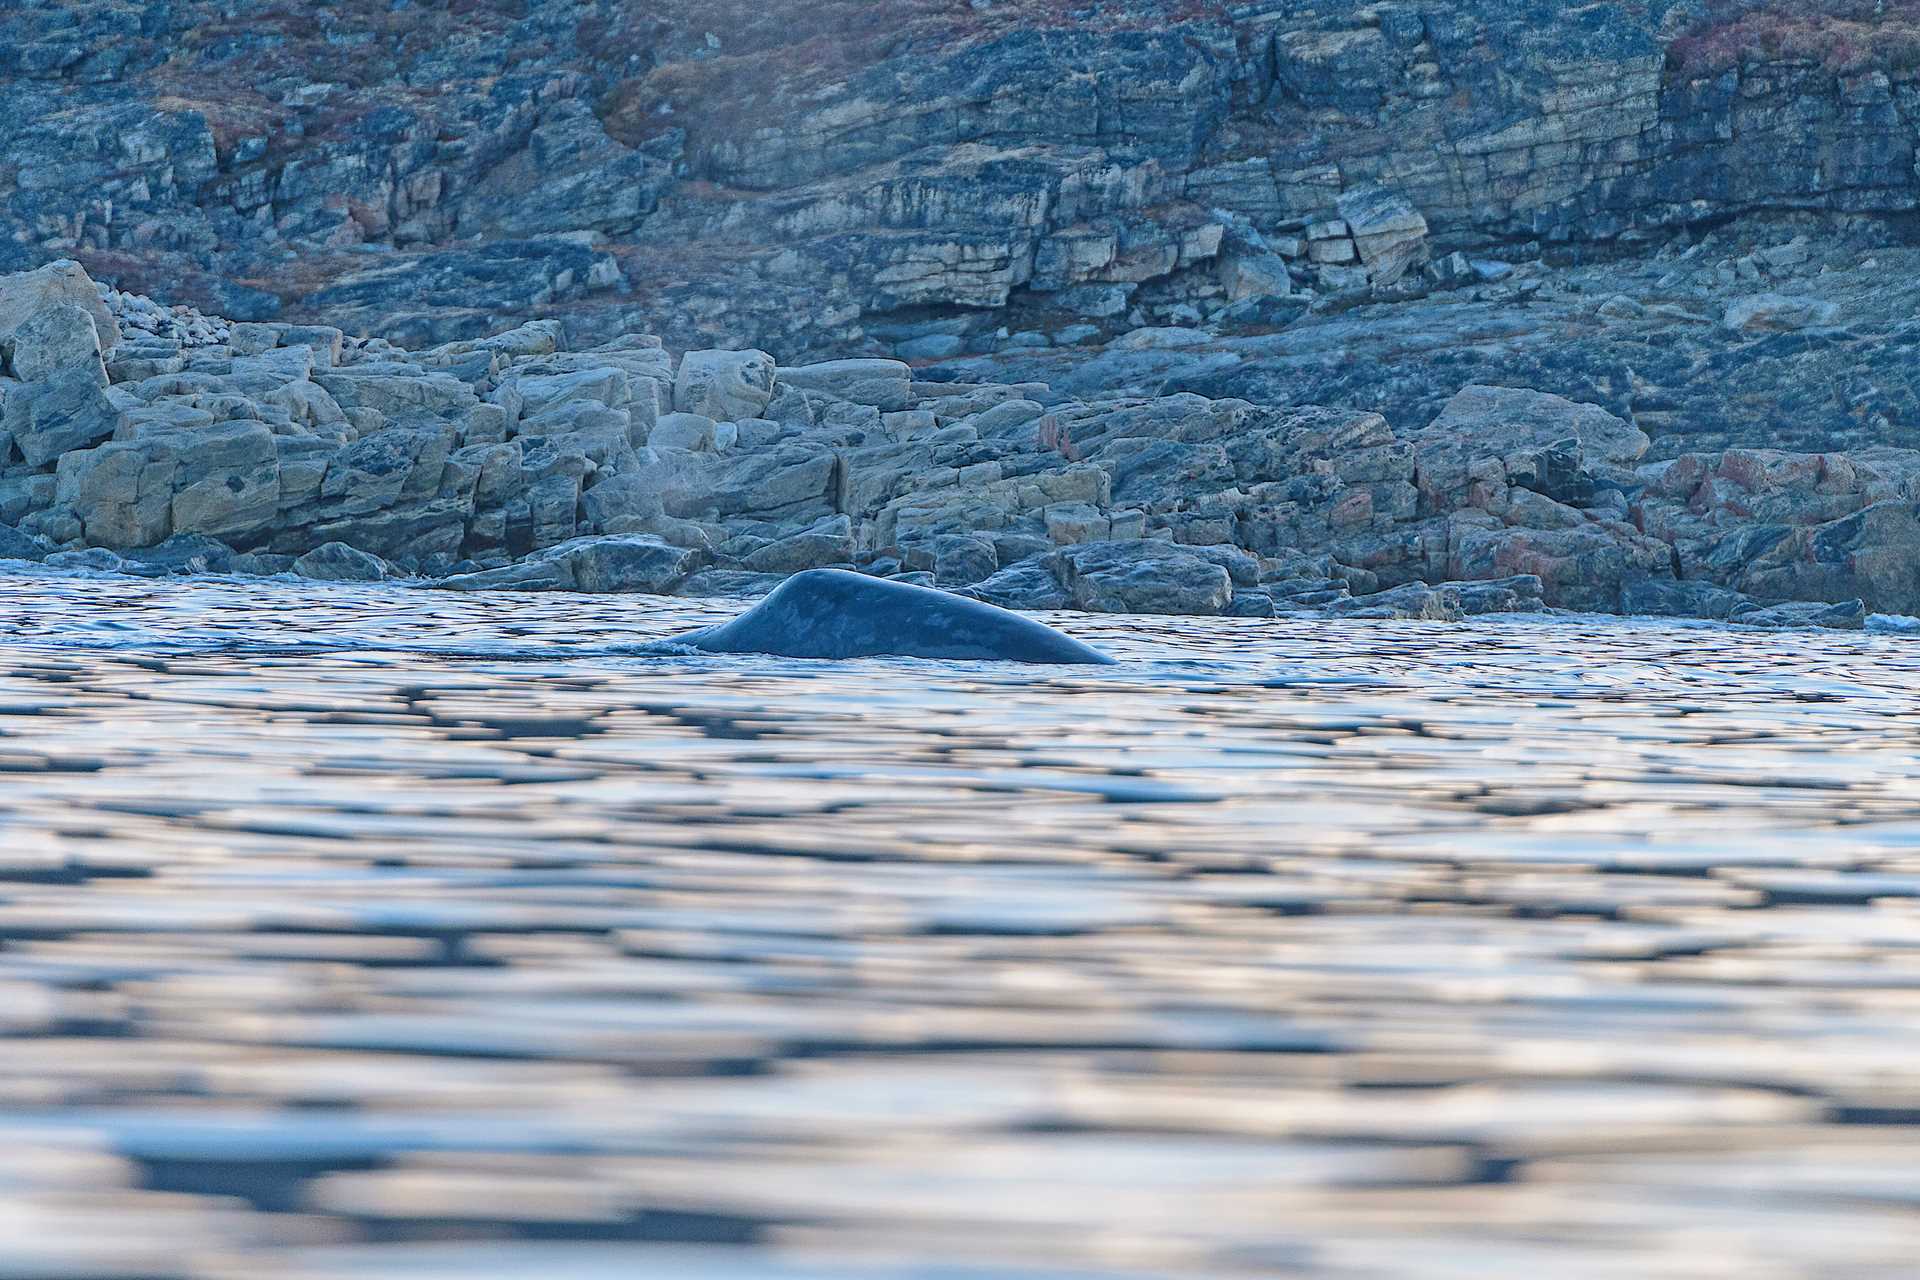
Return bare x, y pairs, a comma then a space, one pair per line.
360, 933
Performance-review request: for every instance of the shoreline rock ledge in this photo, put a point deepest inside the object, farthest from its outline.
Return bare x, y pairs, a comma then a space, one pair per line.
158, 440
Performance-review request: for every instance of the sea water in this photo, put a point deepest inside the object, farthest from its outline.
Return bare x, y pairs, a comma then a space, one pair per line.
376, 931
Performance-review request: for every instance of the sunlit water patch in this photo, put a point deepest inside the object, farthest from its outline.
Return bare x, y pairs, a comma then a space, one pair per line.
377, 932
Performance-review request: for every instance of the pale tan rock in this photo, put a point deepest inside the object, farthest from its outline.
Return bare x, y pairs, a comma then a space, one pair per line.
22, 294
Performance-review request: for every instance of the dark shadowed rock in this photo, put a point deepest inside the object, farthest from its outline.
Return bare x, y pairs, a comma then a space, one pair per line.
182, 554
15, 545
338, 562
1671, 599
1029, 584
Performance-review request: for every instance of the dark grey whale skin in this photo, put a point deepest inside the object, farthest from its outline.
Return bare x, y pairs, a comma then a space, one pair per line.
831, 613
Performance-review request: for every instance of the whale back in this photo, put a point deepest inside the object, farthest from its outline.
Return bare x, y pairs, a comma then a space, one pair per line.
832, 613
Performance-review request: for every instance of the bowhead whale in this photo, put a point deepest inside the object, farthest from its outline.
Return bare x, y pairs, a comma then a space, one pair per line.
831, 613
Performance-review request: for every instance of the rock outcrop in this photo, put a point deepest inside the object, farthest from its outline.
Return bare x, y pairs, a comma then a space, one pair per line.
804, 177
512, 462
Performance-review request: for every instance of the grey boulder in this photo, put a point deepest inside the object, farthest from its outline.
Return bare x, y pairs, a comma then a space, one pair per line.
1144, 576
724, 385
338, 562
58, 335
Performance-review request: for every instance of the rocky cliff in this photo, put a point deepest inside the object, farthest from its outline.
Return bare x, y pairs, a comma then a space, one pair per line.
825, 173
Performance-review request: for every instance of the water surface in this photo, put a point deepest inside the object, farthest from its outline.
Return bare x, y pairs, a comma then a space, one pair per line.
373, 932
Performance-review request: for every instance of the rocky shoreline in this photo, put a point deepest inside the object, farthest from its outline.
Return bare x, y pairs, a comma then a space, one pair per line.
141, 438
1166, 306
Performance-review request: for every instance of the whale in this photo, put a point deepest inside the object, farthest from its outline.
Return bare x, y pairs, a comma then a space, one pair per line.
834, 613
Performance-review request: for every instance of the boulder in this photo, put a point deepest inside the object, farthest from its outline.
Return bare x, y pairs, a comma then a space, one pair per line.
227, 481
399, 393
1029, 584
1143, 576
1535, 438
58, 335
182, 554
1160, 338
221, 480
1847, 615
725, 386
1412, 600
1669, 598
338, 562
1389, 234
1582, 568
1522, 593
96, 559
1075, 522
1873, 555
788, 483
1255, 275
626, 563
64, 281
253, 339
543, 388
961, 559
693, 432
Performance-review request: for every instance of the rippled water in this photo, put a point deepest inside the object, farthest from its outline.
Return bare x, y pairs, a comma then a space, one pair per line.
360, 933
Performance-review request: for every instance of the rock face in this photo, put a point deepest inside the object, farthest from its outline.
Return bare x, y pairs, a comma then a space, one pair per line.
513, 462
802, 177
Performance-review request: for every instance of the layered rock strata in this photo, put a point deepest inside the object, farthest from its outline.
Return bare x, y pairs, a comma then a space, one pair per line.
803, 177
